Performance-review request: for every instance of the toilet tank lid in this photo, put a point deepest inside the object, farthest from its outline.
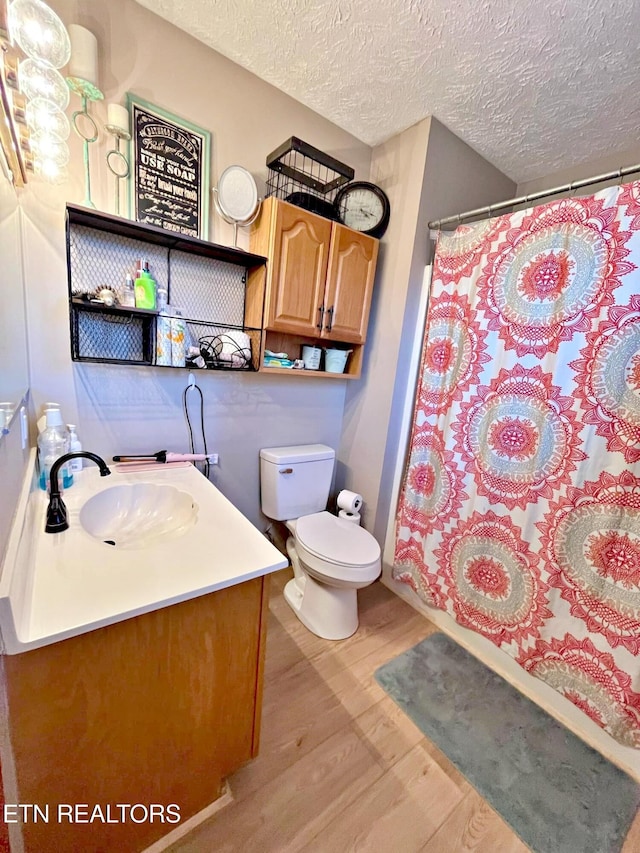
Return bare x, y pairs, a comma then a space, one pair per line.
297, 453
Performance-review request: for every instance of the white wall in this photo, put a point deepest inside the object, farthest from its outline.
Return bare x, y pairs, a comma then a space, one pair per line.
398, 167
428, 173
588, 169
14, 365
121, 408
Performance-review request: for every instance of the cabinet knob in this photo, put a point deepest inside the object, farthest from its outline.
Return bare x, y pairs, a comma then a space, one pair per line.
321, 318
330, 323
285, 471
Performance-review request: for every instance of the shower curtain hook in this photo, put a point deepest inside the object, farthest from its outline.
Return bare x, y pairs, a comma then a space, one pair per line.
620, 176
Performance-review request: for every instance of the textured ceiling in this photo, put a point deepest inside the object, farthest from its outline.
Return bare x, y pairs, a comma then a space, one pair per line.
532, 86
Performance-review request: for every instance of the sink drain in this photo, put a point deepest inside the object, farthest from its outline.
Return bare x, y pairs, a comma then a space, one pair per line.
109, 542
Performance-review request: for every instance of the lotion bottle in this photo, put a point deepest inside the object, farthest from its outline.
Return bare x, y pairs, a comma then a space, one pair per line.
128, 298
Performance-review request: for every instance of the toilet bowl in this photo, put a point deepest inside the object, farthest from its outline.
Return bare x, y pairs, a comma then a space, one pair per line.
332, 558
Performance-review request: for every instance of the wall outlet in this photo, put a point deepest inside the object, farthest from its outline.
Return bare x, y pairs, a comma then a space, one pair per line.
213, 458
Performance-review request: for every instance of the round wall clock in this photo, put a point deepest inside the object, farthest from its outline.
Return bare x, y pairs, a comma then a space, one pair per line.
363, 207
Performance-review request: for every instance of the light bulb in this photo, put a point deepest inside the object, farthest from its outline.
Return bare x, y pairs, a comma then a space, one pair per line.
44, 116
39, 32
51, 171
48, 147
38, 79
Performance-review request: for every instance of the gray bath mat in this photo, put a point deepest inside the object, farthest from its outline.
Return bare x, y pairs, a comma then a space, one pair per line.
557, 794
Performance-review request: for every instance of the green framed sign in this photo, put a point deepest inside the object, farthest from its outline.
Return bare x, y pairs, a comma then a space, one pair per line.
169, 178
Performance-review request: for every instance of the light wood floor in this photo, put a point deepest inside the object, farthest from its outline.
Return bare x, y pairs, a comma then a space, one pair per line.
341, 768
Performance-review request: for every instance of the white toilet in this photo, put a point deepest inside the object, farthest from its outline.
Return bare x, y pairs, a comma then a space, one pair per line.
332, 558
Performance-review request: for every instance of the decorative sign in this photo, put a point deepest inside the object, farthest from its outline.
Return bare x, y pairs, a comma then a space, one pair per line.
170, 174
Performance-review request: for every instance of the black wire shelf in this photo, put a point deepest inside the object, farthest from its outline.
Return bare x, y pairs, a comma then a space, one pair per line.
205, 284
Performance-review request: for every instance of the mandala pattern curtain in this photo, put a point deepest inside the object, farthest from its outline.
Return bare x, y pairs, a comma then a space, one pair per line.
520, 508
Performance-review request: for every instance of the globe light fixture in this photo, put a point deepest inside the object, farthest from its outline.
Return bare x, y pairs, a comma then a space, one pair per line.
43, 115
33, 94
38, 79
47, 146
39, 32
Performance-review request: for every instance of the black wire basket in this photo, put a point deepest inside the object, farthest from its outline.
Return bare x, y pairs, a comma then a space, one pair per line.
307, 177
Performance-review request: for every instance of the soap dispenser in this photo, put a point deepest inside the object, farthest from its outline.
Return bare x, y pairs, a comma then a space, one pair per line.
53, 442
145, 287
75, 445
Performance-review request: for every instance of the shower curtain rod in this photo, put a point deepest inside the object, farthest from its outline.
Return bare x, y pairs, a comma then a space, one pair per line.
574, 185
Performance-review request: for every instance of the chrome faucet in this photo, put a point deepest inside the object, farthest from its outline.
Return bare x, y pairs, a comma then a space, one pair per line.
57, 511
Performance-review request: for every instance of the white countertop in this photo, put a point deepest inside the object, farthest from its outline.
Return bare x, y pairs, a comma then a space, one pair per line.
55, 586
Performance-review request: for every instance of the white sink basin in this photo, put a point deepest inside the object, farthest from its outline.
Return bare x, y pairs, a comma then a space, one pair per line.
138, 515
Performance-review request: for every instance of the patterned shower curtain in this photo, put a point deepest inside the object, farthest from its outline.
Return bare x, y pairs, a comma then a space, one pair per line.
519, 513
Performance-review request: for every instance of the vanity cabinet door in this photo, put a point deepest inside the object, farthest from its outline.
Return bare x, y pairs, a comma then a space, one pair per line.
160, 708
298, 274
350, 278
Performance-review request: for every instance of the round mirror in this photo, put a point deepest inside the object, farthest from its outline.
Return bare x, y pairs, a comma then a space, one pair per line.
237, 194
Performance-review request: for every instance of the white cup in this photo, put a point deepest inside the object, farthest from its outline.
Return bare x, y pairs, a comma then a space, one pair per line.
335, 360
311, 357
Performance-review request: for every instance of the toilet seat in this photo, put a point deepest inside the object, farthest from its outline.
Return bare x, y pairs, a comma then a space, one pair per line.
337, 548
337, 540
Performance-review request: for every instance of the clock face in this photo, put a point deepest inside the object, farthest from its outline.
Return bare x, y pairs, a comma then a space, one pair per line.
363, 207
362, 210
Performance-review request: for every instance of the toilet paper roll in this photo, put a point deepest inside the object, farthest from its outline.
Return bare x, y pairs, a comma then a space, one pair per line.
178, 345
349, 516
163, 340
351, 501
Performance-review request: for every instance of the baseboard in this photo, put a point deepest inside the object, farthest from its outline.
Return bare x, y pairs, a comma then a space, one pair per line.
225, 799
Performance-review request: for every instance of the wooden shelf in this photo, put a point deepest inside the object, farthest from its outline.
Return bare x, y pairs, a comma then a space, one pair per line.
322, 374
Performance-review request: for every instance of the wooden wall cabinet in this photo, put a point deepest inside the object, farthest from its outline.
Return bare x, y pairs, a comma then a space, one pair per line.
320, 281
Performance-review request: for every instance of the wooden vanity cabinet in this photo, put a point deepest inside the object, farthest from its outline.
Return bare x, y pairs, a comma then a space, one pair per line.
320, 278
157, 709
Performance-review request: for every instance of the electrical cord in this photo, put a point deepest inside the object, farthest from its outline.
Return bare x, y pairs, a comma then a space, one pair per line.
207, 466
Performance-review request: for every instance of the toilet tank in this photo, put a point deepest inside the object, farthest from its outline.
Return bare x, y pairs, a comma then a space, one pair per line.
295, 480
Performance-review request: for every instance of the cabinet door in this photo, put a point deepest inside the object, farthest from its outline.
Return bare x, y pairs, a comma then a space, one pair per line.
352, 268
299, 271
